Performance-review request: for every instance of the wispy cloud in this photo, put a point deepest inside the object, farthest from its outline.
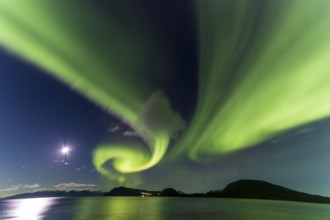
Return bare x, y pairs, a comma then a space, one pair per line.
12, 188
32, 186
130, 133
76, 186
36, 187
43, 189
114, 129
15, 188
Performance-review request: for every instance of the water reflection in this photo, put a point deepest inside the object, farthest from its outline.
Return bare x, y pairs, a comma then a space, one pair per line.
153, 208
119, 208
26, 209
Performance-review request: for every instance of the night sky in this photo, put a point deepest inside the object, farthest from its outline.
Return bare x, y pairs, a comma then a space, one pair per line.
153, 94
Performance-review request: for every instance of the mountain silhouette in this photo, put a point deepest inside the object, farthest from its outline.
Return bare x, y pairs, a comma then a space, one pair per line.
256, 189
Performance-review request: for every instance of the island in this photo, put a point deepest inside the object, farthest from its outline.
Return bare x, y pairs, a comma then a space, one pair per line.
244, 189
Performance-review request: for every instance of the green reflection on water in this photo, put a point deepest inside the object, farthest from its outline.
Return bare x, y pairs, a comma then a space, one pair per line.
197, 208
120, 208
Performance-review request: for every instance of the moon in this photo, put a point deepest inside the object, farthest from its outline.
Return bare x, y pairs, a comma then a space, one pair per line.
65, 150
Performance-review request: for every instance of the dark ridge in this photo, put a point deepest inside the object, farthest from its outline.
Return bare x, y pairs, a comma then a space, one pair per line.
124, 191
170, 192
244, 189
256, 189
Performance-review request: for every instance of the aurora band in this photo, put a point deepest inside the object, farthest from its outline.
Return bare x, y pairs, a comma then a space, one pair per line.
263, 70
92, 54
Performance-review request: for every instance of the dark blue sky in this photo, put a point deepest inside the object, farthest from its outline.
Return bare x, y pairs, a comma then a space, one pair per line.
39, 115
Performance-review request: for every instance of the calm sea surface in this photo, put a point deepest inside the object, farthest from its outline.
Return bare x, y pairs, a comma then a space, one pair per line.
158, 208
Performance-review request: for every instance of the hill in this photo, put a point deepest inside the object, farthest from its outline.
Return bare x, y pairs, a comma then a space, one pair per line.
124, 191
249, 189
256, 189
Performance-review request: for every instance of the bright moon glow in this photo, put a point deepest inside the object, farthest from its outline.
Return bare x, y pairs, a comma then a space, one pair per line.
65, 150
29, 209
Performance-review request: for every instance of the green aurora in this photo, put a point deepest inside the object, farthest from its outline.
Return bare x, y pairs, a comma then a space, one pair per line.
261, 72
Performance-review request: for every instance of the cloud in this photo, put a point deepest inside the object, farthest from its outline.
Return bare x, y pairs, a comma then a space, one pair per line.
158, 116
82, 168
114, 129
36, 187
14, 188
130, 134
43, 189
76, 186
32, 186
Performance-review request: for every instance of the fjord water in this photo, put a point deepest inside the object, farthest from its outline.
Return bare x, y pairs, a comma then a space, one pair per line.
159, 209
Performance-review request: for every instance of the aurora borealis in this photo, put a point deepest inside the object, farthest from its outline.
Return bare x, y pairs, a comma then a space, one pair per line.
99, 80
262, 76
